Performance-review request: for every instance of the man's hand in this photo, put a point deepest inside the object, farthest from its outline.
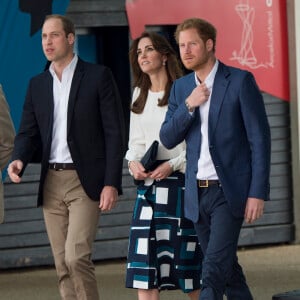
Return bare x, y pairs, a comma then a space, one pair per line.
254, 209
199, 95
14, 169
108, 198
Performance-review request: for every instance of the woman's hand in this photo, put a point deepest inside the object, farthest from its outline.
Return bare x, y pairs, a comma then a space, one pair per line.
138, 170
162, 171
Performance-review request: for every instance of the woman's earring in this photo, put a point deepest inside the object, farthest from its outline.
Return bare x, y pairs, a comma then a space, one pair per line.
164, 63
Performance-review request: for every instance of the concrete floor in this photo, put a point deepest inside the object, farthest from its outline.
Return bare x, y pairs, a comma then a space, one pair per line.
269, 271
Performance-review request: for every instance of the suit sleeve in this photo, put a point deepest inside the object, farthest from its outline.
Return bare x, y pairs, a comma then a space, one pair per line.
258, 134
177, 121
28, 139
114, 130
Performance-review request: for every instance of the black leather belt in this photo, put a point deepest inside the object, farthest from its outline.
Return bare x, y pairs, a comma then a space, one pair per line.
61, 166
207, 183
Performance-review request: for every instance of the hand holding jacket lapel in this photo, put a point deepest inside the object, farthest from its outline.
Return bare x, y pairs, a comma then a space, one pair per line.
217, 97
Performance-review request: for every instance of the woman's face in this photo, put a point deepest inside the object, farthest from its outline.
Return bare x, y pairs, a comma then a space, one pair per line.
149, 60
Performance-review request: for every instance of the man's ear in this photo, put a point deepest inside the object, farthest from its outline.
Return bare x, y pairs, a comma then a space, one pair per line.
209, 45
71, 38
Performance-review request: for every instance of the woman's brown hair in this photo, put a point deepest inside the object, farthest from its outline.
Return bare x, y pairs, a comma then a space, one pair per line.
142, 80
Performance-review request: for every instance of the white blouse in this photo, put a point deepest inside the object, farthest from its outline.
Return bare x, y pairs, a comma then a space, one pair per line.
144, 129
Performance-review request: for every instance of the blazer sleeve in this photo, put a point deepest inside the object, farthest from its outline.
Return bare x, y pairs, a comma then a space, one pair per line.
7, 132
177, 121
259, 136
114, 130
28, 140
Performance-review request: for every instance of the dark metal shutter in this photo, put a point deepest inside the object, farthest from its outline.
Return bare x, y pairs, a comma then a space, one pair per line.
276, 225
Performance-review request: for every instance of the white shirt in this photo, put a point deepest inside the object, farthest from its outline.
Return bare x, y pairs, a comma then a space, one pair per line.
144, 129
206, 168
60, 152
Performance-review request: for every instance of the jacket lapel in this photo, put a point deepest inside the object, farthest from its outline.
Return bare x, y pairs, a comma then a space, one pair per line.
79, 70
49, 103
218, 94
48, 94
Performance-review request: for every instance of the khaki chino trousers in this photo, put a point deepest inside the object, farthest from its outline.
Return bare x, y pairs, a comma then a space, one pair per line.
71, 219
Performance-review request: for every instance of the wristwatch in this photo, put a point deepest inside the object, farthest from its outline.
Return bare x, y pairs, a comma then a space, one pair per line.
190, 109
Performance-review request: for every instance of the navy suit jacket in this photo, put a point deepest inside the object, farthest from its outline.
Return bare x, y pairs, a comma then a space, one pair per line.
238, 132
95, 127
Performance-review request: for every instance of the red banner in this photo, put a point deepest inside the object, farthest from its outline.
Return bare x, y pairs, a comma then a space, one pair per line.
252, 34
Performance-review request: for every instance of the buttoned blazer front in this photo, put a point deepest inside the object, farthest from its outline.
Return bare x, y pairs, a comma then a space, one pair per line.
95, 127
238, 133
7, 134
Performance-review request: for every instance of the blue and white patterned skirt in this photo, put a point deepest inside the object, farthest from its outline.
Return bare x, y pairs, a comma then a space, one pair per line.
163, 252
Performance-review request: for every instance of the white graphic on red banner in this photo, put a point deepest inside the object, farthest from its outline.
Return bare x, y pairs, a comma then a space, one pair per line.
252, 34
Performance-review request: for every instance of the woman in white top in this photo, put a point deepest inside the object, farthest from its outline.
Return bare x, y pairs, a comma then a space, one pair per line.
163, 251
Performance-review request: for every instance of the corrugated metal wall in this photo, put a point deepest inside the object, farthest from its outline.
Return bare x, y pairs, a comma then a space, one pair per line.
276, 225
24, 242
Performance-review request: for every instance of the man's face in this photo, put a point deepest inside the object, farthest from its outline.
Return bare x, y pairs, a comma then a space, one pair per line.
194, 52
56, 46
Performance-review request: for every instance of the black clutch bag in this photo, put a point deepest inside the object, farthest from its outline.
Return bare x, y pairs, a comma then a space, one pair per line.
149, 161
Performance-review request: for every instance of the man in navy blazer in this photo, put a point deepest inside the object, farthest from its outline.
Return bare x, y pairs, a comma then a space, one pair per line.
72, 115
219, 111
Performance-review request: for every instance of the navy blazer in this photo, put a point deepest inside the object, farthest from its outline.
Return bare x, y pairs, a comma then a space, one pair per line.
238, 133
95, 127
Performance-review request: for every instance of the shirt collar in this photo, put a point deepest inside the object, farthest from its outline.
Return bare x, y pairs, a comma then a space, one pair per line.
209, 80
70, 67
